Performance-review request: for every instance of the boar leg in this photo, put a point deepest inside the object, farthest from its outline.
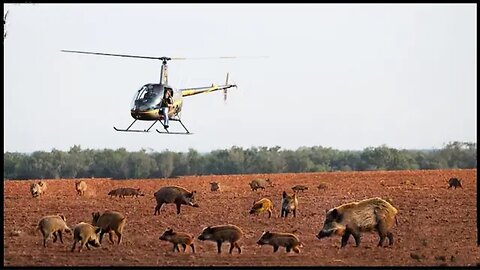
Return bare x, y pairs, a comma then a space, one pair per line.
102, 232
294, 212
193, 248
382, 231
281, 215
288, 248
238, 247
60, 236
178, 208
275, 248
54, 237
110, 237
157, 208
184, 247
119, 237
175, 247
390, 238
356, 236
219, 246
269, 213
74, 244
345, 237
232, 245
296, 249
45, 241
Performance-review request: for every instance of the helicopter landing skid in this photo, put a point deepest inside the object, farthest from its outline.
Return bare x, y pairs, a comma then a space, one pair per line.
169, 132
135, 130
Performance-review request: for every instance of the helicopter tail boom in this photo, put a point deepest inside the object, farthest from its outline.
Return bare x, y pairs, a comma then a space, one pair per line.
199, 90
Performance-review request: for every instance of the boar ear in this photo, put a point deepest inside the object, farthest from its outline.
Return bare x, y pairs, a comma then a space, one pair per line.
63, 217
98, 229
284, 194
93, 214
326, 211
334, 213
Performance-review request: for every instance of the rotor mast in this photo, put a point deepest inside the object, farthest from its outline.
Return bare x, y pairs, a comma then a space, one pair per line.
164, 70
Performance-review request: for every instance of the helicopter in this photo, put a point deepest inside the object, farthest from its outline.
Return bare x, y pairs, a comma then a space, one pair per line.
146, 100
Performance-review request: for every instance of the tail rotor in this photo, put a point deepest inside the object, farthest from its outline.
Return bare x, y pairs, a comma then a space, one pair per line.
226, 89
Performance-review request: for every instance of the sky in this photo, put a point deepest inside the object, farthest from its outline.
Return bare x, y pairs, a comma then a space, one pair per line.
345, 76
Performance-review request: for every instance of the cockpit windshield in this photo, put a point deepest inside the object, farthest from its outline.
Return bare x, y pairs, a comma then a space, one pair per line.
147, 98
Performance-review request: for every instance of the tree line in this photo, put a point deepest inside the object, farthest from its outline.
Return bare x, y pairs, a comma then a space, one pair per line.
120, 164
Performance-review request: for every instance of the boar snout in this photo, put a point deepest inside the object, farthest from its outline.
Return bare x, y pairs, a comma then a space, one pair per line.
201, 237
323, 234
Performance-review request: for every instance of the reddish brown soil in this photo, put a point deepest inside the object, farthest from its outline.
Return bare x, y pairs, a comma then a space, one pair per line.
433, 221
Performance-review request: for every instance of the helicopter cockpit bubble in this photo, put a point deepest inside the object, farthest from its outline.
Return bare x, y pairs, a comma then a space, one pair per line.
147, 97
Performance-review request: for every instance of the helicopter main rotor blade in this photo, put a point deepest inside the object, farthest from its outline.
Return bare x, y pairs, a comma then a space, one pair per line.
127, 55
162, 57
221, 57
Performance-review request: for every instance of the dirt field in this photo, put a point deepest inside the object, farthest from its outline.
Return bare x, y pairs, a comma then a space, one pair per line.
436, 225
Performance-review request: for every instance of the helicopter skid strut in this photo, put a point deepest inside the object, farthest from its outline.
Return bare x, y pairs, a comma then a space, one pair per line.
168, 132
148, 130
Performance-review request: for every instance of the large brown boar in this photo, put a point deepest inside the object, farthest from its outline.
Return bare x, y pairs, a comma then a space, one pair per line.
176, 238
287, 240
260, 183
454, 182
38, 188
53, 225
174, 194
353, 218
222, 233
122, 192
298, 188
87, 235
263, 205
110, 222
289, 204
80, 187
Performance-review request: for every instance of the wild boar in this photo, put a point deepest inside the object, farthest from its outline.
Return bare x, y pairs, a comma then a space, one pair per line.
174, 194
110, 222
80, 187
287, 240
53, 225
122, 192
454, 182
222, 233
177, 238
263, 205
37, 189
322, 186
298, 188
260, 183
214, 186
87, 235
369, 215
289, 204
